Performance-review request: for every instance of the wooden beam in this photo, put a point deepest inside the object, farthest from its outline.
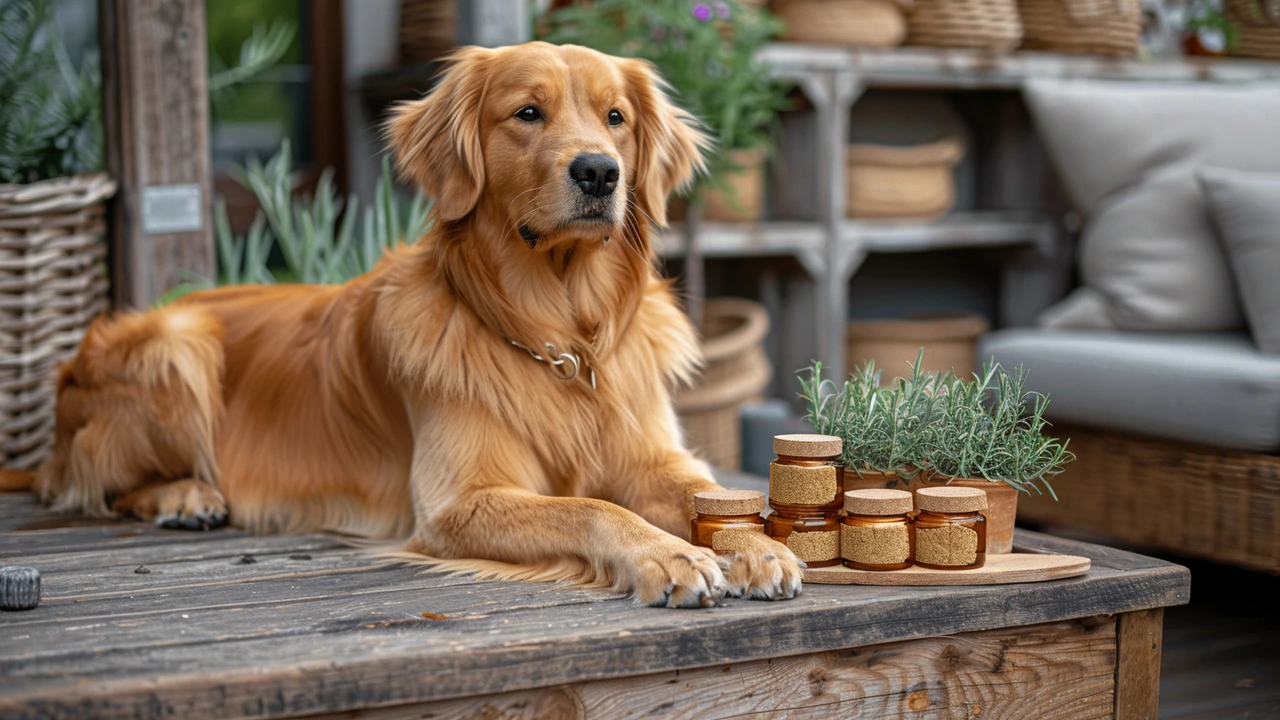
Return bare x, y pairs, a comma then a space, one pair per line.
156, 123
1139, 638
1059, 670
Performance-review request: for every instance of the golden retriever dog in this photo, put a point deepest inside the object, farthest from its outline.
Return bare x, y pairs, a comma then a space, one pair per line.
498, 392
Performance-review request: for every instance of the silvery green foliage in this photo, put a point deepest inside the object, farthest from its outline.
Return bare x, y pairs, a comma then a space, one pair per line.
322, 238
939, 424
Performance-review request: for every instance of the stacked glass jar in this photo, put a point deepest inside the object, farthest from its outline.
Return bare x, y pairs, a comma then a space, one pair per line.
806, 492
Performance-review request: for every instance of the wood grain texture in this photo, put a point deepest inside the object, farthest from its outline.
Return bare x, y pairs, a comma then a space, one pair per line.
156, 125
204, 634
1000, 569
1139, 638
1059, 670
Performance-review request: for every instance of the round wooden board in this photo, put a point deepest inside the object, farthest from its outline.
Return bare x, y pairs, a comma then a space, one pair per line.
999, 570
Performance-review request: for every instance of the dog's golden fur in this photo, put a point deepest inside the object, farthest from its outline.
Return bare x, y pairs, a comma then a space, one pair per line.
396, 406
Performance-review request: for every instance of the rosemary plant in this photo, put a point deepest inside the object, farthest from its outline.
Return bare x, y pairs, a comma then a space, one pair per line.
939, 425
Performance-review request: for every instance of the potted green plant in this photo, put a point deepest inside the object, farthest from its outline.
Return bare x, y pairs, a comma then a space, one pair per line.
884, 429
937, 428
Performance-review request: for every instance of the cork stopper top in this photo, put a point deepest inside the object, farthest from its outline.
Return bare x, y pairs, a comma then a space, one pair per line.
951, 499
878, 502
728, 502
807, 446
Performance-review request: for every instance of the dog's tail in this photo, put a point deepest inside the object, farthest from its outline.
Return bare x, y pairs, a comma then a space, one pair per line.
16, 480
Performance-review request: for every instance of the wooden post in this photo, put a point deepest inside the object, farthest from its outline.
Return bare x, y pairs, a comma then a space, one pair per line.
1139, 638
156, 122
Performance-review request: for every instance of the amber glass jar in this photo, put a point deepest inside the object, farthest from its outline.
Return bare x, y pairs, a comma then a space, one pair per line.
723, 516
951, 532
806, 492
876, 532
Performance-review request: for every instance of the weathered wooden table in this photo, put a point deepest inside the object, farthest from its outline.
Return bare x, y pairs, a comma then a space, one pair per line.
144, 623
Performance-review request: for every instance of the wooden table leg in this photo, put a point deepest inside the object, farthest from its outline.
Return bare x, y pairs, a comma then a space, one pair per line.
1138, 642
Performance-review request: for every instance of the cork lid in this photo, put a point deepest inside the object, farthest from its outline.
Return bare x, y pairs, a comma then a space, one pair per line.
951, 499
728, 502
878, 502
807, 446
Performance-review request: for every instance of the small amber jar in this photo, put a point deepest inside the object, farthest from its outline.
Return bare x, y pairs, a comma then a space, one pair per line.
876, 532
806, 492
951, 532
723, 516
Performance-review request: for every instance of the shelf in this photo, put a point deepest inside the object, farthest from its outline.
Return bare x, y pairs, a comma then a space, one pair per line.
971, 69
969, 229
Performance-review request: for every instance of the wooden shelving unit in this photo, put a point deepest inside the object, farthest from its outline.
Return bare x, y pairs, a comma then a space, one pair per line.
832, 247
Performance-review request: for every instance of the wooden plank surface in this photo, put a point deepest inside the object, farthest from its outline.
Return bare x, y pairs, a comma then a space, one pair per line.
999, 569
1139, 636
206, 633
1041, 672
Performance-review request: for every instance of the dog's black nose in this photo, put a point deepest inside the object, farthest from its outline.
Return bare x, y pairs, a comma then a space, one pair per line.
596, 174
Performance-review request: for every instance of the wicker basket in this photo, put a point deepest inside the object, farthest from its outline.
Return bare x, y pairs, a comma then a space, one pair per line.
1105, 27
884, 181
1258, 27
53, 282
982, 24
736, 373
747, 202
949, 343
1223, 505
871, 23
428, 29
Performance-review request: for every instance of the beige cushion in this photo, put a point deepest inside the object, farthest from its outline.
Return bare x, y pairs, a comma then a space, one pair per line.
1128, 154
1207, 388
1245, 208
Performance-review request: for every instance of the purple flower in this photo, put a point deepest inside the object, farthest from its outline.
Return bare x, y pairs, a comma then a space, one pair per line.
722, 9
702, 12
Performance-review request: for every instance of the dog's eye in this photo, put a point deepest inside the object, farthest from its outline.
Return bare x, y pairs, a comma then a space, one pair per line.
615, 118
528, 113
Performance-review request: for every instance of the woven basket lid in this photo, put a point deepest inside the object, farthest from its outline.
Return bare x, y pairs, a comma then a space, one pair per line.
951, 499
878, 502
728, 502
807, 446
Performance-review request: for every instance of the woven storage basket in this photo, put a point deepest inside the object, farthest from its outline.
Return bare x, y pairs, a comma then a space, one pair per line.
1258, 27
747, 203
736, 373
871, 23
1223, 505
884, 181
949, 343
982, 24
53, 282
428, 29
1105, 27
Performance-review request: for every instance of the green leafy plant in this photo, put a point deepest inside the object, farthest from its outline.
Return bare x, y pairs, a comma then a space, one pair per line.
321, 238
705, 50
885, 429
939, 425
50, 110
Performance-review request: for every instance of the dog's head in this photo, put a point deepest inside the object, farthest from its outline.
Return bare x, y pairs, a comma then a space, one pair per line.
551, 141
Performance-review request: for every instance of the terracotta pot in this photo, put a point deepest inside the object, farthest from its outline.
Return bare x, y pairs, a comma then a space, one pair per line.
872, 481
1002, 509
747, 203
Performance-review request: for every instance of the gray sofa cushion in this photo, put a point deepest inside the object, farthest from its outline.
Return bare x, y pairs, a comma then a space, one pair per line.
1246, 210
1209, 388
1127, 153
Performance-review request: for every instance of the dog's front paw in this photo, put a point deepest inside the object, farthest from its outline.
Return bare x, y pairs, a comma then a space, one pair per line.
676, 574
763, 569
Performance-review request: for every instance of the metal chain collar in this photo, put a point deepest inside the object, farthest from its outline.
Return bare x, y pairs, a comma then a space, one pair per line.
566, 366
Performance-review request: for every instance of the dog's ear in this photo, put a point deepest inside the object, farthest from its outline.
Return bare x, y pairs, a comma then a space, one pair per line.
669, 143
436, 140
